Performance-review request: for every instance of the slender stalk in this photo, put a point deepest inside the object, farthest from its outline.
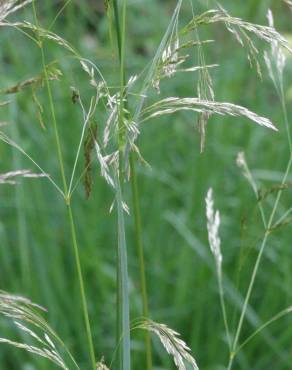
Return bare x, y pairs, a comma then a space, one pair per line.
81, 285
264, 242
262, 327
21, 216
120, 33
123, 315
223, 309
67, 199
140, 252
123, 321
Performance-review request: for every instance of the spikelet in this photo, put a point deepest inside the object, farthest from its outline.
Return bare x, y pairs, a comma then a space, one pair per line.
265, 33
105, 162
275, 60
53, 73
8, 7
242, 164
175, 104
289, 3
241, 29
213, 223
173, 344
101, 365
27, 319
8, 177
88, 148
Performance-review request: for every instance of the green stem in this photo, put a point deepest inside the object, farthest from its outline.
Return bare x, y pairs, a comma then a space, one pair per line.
67, 198
134, 186
21, 214
123, 322
81, 286
140, 252
256, 267
269, 225
223, 308
262, 327
123, 319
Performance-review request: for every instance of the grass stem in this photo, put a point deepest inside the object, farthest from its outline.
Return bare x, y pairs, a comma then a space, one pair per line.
67, 198
140, 252
123, 315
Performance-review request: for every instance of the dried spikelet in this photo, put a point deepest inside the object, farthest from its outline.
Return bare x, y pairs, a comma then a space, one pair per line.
205, 92
6, 139
7, 178
171, 61
42, 33
8, 7
275, 60
4, 103
263, 194
242, 164
175, 104
240, 29
27, 319
173, 344
53, 73
88, 148
213, 223
289, 3
101, 365
105, 163
265, 33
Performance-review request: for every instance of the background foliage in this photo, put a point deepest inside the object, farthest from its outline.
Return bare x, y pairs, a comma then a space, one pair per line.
36, 258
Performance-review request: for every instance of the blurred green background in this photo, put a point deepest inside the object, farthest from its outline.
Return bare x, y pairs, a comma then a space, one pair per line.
36, 257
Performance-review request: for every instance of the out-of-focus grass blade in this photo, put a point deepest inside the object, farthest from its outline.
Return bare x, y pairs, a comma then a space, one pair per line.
123, 289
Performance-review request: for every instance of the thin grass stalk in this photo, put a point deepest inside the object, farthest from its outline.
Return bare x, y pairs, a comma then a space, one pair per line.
135, 197
136, 211
140, 252
266, 235
123, 314
81, 286
224, 312
124, 344
262, 327
67, 199
21, 219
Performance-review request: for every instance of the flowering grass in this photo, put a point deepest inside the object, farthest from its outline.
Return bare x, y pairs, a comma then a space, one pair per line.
79, 104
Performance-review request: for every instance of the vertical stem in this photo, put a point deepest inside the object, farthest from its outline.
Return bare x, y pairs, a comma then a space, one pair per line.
123, 291
140, 252
67, 197
134, 186
223, 308
21, 216
123, 314
264, 242
81, 285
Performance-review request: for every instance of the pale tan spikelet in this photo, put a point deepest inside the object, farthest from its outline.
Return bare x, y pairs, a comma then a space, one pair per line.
8, 7
175, 104
242, 164
173, 344
265, 33
101, 365
213, 223
8, 177
241, 30
53, 73
43, 340
289, 3
275, 59
42, 33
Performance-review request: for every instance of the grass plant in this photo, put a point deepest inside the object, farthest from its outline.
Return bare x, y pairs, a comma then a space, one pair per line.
116, 114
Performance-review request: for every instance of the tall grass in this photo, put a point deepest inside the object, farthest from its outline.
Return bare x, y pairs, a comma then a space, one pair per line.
114, 121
